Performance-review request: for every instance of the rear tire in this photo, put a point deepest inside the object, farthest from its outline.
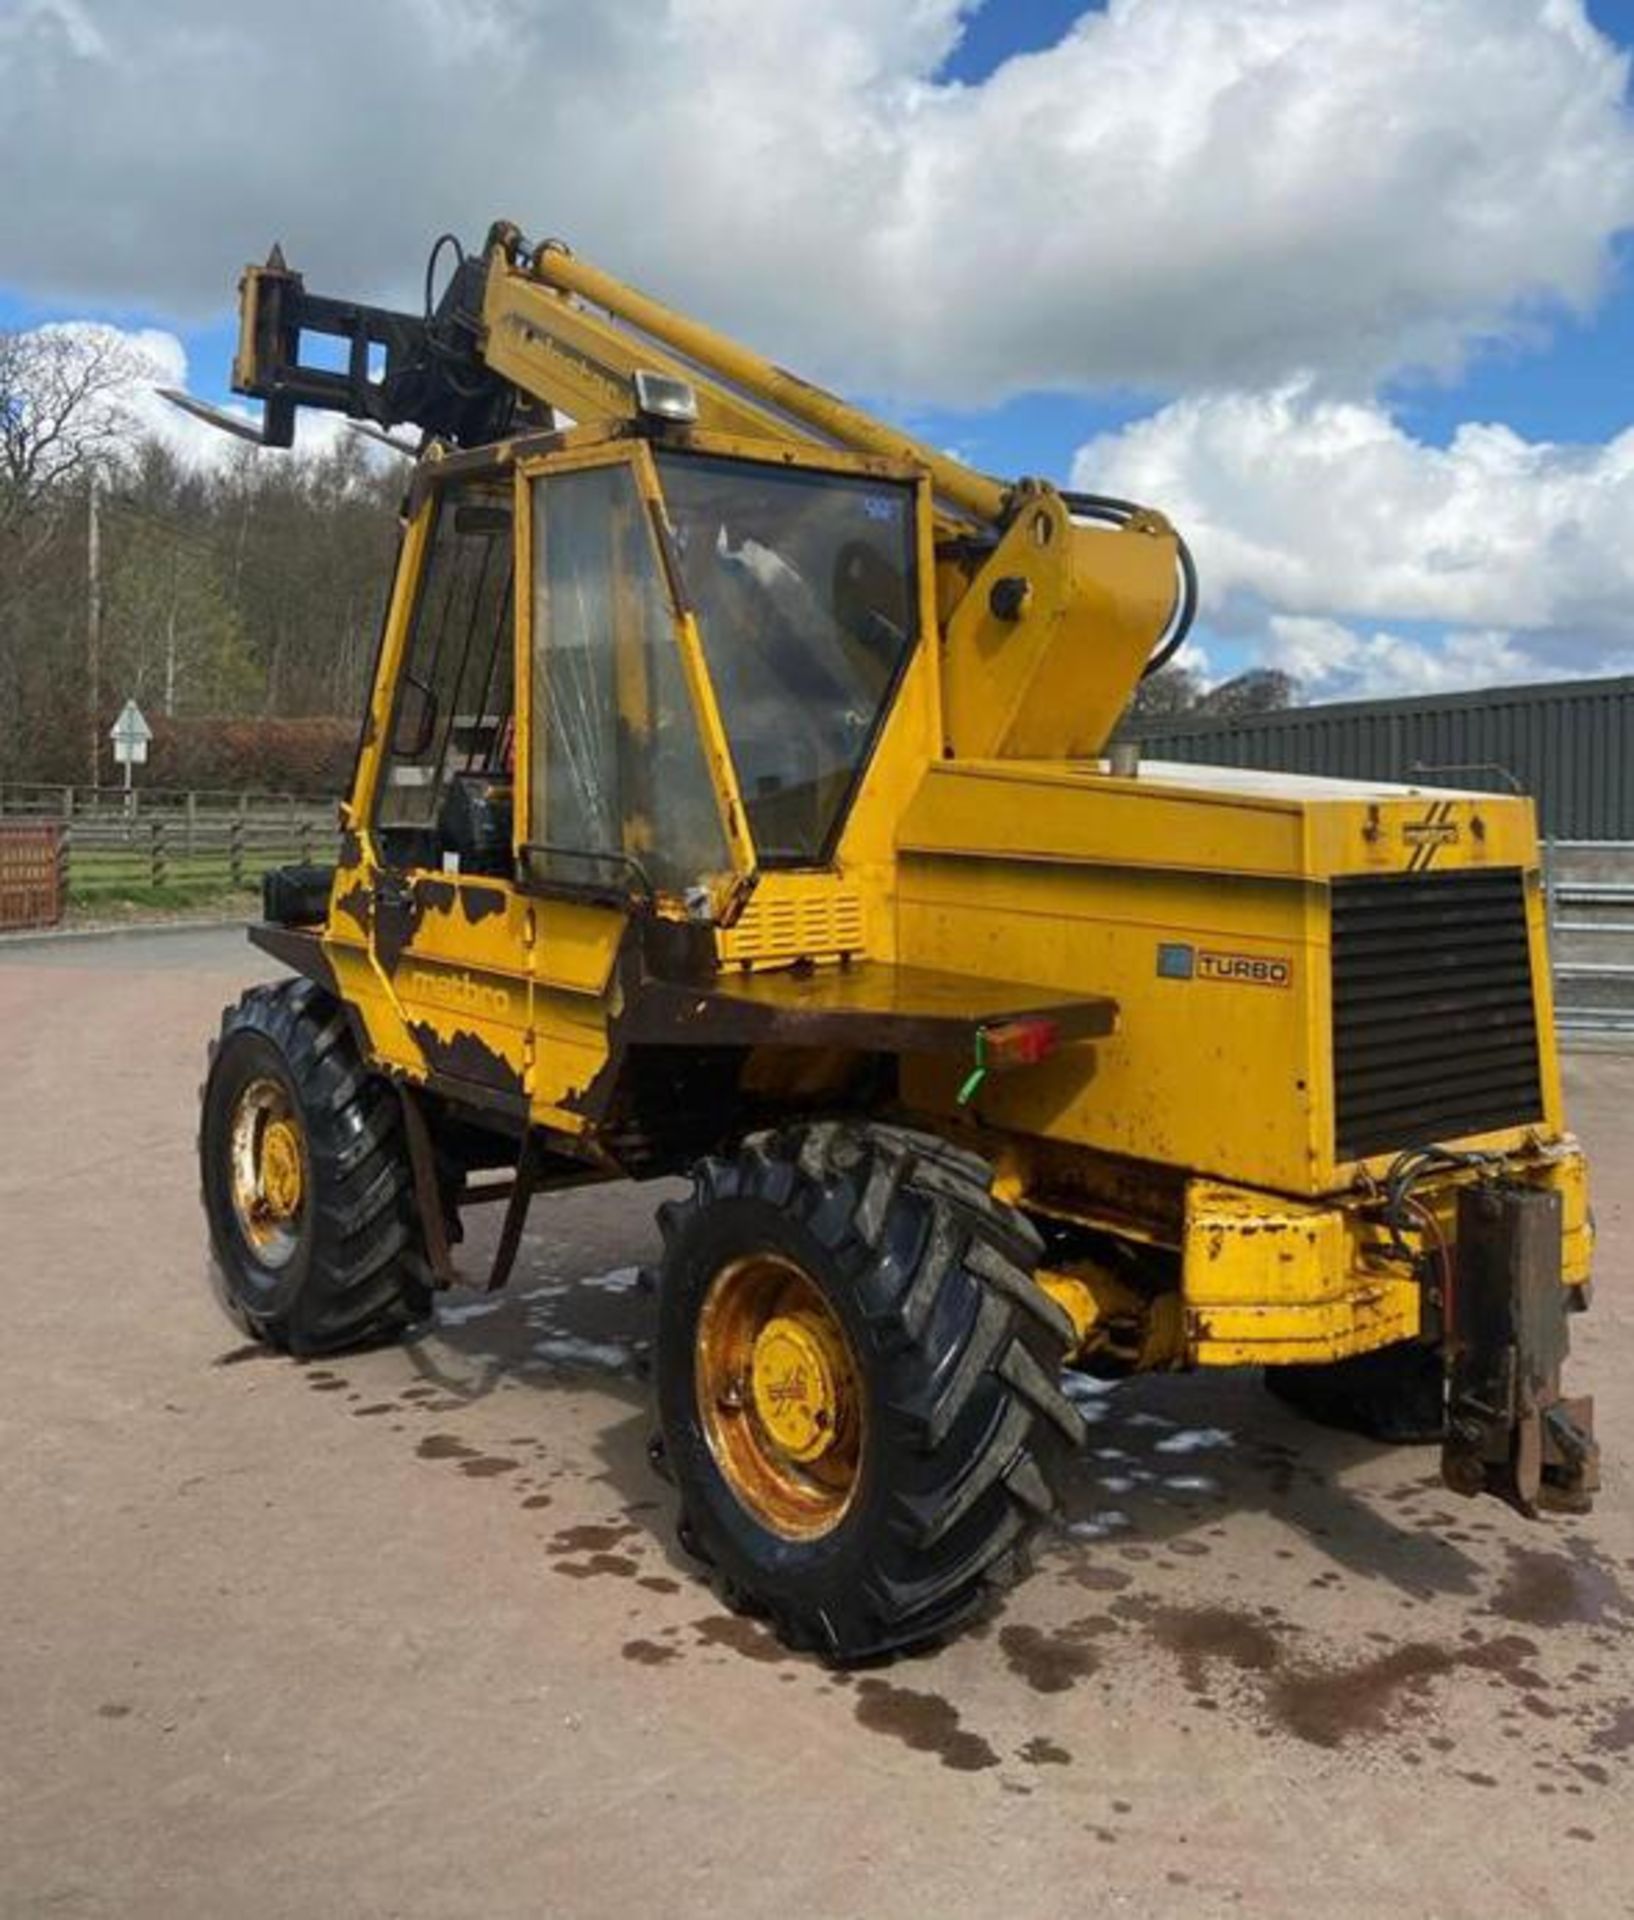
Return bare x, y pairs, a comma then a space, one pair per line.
960, 1432
325, 1252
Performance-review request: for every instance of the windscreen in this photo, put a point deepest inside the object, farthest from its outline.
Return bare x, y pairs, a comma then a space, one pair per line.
804, 589
619, 779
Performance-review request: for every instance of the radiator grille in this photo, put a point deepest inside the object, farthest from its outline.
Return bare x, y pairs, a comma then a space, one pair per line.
1434, 1023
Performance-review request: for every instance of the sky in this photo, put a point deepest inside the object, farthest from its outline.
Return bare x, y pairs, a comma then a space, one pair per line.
1345, 287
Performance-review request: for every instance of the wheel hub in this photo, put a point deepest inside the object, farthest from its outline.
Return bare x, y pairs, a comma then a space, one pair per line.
795, 1377
268, 1171
780, 1395
281, 1170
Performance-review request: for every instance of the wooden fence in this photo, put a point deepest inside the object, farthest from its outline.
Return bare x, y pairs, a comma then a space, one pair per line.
167, 846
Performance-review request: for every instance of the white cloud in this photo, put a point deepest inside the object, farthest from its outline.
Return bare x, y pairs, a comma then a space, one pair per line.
156, 359
1181, 193
1310, 514
1332, 661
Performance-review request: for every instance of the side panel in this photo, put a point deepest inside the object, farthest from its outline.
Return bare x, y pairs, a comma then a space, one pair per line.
1217, 983
1203, 909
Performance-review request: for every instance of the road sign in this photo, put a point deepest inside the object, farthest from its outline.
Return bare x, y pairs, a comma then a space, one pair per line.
130, 735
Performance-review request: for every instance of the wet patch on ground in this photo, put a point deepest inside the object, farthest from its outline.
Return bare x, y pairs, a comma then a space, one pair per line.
1549, 1588
649, 1653
743, 1636
620, 1565
1154, 1499
591, 1537
251, 1350
1204, 1639
923, 1722
1054, 1662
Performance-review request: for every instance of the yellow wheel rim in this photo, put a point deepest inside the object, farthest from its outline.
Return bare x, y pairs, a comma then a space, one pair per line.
780, 1396
268, 1171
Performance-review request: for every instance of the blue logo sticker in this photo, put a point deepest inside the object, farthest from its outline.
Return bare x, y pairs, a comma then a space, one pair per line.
1176, 962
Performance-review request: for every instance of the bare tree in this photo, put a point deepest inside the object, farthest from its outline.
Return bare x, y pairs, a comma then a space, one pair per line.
62, 412
1177, 694
1260, 690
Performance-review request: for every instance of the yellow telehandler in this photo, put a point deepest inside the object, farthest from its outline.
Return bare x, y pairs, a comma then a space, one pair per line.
734, 798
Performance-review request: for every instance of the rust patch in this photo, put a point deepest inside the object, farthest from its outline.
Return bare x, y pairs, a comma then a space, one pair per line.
354, 903
395, 919
480, 903
924, 1723
467, 1058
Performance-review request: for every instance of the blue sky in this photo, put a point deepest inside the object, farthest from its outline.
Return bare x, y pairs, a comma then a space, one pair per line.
1245, 347
1574, 383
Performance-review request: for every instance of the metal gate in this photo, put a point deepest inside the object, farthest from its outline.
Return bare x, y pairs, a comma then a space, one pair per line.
1590, 885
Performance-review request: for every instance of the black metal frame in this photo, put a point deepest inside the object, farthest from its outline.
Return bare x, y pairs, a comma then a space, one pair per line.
434, 376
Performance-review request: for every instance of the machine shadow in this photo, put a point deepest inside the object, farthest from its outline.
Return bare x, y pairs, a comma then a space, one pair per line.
1167, 1458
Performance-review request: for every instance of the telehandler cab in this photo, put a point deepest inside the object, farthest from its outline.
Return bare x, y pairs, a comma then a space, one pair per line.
733, 799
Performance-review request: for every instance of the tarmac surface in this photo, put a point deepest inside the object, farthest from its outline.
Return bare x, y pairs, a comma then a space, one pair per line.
407, 1633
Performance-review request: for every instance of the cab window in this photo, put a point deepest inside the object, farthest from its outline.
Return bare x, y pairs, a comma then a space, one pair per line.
621, 793
805, 592
445, 792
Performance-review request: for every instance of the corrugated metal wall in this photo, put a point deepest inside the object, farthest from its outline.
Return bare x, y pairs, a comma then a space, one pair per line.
1570, 743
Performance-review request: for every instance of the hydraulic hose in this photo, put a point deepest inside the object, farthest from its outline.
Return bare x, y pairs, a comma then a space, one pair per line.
1118, 513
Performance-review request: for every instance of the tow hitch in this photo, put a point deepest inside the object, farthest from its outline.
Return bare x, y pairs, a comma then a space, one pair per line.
1510, 1432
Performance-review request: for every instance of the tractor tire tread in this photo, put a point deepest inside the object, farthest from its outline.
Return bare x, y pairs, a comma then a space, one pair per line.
367, 1279
970, 1351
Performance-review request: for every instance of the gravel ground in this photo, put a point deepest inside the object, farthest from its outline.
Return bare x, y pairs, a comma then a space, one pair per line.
406, 1634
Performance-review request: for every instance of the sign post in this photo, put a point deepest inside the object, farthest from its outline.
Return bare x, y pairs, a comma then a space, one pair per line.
130, 735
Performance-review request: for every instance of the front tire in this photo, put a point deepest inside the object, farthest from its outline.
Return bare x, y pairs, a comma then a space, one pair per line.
858, 1384
305, 1180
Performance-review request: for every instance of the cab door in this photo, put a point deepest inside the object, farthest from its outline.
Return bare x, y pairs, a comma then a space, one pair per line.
445, 925
628, 810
